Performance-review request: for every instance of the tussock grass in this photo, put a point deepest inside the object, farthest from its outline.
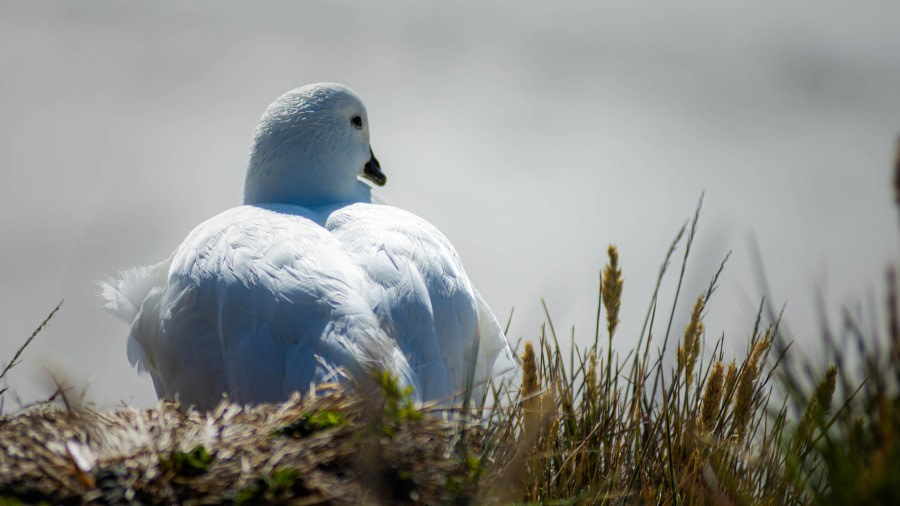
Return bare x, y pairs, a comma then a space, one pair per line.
329, 447
596, 427
768, 427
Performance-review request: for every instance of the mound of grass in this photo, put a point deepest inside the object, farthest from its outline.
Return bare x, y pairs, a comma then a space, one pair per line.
324, 448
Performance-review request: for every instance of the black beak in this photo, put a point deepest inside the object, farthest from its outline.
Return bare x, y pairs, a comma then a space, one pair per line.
372, 171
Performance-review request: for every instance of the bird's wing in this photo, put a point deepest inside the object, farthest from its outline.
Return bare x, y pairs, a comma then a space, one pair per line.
261, 302
422, 295
495, 356
134, 296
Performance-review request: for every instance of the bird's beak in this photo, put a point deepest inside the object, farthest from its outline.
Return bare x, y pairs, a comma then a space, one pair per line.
372, 171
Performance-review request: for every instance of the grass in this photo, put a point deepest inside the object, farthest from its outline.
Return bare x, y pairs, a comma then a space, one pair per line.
15, 359
765, 427
592, 426
597, 427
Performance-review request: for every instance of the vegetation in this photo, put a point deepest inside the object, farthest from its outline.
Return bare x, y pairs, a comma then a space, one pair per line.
192, 463
309, 423
767, 427
592, 426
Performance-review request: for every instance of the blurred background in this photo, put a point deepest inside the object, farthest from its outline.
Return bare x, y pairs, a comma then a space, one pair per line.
532, 134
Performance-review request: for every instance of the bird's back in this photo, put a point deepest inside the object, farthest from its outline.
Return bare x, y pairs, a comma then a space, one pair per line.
261, 301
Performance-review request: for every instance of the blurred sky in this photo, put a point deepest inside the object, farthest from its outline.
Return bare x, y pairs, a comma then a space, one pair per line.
531, 133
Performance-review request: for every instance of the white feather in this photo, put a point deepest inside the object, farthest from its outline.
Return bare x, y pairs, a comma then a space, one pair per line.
126, 293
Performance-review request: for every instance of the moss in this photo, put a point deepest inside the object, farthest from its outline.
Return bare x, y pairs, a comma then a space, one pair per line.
398, 407
282, 483
310, 423
192, 463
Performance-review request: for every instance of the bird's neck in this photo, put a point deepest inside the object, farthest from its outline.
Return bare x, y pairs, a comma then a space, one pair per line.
273, 185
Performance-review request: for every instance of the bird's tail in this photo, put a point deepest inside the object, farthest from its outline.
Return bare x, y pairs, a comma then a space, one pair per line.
125, 293
134, 296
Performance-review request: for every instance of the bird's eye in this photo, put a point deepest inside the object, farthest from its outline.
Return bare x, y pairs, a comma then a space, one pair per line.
357, 122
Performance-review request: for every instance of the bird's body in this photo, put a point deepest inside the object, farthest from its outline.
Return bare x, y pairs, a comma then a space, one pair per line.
273, 296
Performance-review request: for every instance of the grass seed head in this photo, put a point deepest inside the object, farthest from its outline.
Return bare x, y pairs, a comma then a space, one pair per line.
819, 405
760, 348
892, 314
689, 350
712, 397
825, 390
804, 431
730, 378
743, 401
611, 289
530, 381
897, 173
590, 380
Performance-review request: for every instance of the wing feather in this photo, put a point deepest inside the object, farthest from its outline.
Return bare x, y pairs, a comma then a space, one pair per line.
424, 298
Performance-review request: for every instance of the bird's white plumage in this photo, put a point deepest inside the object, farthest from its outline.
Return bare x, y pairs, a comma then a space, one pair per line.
310, 281
418, 289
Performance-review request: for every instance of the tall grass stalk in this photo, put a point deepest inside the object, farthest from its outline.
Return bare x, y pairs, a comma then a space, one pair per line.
15, 359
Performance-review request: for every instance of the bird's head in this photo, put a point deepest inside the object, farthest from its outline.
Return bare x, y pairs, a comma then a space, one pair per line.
309, 147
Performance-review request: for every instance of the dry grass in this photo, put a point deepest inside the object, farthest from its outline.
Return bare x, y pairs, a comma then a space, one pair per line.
627, 430
328, 448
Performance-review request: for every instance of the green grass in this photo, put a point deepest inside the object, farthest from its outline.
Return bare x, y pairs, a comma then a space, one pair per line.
316, 421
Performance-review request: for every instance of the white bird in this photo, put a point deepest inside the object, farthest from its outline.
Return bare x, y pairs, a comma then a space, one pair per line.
310, 279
